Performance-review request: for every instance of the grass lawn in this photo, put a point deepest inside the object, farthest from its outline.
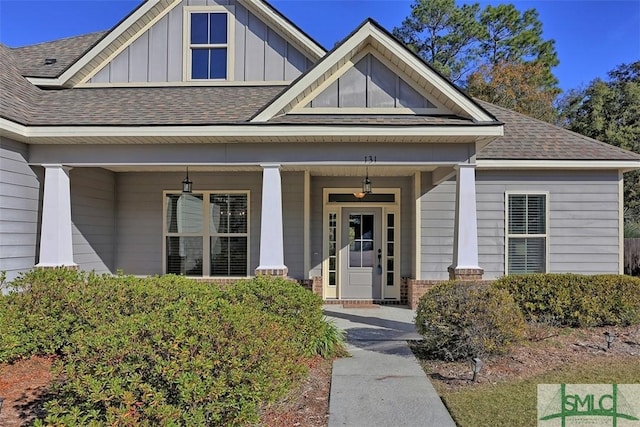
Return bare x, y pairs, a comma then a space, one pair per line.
513, 403
506, 391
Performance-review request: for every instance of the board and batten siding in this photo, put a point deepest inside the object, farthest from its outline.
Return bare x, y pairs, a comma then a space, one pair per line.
93, 201
140, 214
260, 53
369, 84
583, 220
20, 204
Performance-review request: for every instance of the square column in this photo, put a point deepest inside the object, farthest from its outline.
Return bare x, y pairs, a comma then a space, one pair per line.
465, 238
56, 245
271, 228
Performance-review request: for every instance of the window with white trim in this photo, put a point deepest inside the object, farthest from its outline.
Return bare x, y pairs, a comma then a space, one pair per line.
207, 234
527, 235
208, 41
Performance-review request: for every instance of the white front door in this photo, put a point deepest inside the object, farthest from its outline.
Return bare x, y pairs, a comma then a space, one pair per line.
361, 253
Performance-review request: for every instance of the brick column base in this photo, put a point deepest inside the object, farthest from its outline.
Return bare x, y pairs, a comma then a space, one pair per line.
465, 274
417, 288
277, 272
53, 267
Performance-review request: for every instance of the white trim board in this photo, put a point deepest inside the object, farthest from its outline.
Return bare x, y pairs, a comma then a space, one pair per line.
624, 165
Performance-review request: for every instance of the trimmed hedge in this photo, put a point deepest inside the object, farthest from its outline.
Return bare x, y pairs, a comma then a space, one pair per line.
575, 300
162, 350
458, 320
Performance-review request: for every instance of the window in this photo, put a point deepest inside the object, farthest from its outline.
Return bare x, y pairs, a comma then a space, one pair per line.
526, 233
207, 234
208, 51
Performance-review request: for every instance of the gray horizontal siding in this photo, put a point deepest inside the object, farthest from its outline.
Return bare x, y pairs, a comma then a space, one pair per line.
139, 217
20, 198
583, 221
260, 53
437, 210
583, 218
93, 202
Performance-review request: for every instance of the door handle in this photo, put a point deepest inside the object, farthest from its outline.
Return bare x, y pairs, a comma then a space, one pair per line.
379, 261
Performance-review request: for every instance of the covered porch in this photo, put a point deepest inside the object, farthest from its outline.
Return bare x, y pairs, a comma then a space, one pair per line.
121, 208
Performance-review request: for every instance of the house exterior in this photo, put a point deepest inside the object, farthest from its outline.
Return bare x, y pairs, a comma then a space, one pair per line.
276, 135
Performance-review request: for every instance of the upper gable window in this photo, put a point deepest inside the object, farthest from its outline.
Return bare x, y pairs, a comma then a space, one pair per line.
208, 36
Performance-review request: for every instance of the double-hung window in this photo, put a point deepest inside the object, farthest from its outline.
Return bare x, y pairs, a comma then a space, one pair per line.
208, 44
207, 234
527, 235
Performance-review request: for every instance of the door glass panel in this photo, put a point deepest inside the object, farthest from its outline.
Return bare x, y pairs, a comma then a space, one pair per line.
361, 235
333, 218
390, 249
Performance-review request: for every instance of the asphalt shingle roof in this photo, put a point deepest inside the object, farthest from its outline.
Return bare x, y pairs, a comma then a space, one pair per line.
152, 106
526, 138
18, 97
65, 52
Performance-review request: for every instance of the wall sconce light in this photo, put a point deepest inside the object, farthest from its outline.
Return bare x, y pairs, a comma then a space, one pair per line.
187, 184
476, 366
609, 337
366, 182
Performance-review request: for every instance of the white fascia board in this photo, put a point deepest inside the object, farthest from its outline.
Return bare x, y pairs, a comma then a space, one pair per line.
260, 131
625, 165
12, 130
44, 82
95, 50
441, 84
311, 46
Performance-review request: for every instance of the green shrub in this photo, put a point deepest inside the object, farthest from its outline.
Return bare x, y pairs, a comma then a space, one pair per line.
460, 319
197, 361
575, 300
163, 350
293, 306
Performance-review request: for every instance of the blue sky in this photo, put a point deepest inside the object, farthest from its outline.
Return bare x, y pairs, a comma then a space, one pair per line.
592, 36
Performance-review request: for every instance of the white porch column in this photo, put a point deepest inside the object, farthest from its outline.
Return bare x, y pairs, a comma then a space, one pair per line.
465, 243
271, 235
56, 246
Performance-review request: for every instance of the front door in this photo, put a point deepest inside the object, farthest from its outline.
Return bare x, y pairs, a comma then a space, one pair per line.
361, 253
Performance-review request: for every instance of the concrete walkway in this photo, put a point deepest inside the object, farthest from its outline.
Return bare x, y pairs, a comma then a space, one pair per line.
381, 384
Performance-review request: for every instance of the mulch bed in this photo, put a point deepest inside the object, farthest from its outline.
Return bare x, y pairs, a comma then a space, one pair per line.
547, 348
23, 388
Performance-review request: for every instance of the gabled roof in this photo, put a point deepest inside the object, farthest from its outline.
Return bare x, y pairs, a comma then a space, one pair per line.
141, 19
371, 35
32, 114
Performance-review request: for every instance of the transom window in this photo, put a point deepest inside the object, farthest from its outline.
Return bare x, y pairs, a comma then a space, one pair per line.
527, 235
206, 234
208, 51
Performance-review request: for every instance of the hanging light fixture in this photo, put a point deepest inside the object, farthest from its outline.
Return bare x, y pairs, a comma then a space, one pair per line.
187, 183
366, 182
